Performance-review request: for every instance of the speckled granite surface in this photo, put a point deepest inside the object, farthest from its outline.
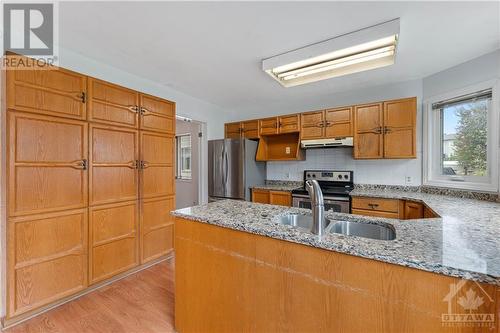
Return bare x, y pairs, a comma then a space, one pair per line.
279, 185
463, 243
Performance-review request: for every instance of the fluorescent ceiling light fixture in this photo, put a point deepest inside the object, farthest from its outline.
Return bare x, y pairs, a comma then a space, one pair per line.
354, 52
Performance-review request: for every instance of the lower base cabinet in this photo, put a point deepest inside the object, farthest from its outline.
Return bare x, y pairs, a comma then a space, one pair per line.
114, 241
391, 208
243, 282
47, 259
157, 227
281, 198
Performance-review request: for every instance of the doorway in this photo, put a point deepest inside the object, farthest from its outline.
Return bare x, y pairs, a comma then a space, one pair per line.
188, 162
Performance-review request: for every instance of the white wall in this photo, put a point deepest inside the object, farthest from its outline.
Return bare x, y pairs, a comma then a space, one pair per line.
481, 69
186, 105
390, 172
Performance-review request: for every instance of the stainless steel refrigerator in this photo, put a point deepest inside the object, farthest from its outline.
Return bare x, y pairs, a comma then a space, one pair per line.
232, 168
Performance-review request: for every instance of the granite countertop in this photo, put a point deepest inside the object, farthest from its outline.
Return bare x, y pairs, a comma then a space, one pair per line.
277, 187
464, 242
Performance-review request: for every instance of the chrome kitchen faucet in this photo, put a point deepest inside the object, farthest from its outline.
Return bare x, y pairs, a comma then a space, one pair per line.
317, 207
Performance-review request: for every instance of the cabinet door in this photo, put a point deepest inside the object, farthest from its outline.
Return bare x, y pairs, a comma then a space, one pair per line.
157, 226
413, 210
47, 158
400, 117
55, 92
339, 122
47, 259
113, 164
157, 114
113, 104
260, 196
280, 198
113, 239
157, 174
268, 126
311, 125
368, 137
232, 130
289, 123
250, 129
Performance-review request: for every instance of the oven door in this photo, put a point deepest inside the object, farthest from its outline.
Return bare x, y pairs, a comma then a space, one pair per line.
337, 204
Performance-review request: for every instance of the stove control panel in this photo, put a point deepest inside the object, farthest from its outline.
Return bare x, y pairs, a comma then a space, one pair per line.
330, 176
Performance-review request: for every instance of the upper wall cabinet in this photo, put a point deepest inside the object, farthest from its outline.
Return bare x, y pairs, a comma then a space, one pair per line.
55, 92
385, 130
112, 104
331, 123
246, 129
157, 114
280, 125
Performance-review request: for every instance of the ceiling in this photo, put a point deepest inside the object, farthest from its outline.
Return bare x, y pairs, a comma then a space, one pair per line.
213, 50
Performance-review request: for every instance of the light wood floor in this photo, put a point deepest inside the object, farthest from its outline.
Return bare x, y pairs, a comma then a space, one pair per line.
142, 303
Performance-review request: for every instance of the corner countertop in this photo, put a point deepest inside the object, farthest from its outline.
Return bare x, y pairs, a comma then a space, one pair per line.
277, 187
464, 242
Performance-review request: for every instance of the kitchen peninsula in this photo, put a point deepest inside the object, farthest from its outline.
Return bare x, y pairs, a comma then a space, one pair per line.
290, 278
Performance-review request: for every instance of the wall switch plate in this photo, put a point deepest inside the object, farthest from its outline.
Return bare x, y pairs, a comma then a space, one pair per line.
408, 180
287, 150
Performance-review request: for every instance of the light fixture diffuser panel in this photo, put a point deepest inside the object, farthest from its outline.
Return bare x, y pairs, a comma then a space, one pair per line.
365, 49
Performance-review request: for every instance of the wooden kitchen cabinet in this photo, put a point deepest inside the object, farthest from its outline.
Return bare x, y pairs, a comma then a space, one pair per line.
400, 117
260, 196
385, 130
269, 126
54, 92
232, 130
47, 168
89, 189
113, 164
157, 169
368, 137
250, 129
338, 122
289, 123
157, 227
281, 198
379, 207
111, 104
331, 123
413, 210
157, 114
114, 241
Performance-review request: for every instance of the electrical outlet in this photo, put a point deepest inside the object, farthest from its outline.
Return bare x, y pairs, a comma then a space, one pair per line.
287, 150
408, 180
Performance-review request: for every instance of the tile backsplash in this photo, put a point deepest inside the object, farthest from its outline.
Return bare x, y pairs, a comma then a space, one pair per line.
387, 172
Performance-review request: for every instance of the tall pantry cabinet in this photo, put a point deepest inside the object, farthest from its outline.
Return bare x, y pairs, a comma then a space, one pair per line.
90, 184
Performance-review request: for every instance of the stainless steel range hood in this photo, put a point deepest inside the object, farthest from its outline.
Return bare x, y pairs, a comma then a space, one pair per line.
327, 143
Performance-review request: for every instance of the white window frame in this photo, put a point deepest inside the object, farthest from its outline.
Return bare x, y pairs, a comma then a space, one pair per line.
432, 145
178, 161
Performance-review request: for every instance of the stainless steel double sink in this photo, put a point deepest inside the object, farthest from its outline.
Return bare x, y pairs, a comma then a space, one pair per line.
348, 228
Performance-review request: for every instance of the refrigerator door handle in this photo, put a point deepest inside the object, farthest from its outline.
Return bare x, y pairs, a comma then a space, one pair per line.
226, 173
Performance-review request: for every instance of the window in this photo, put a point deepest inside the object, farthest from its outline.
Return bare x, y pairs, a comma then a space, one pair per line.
461, 149
183, 153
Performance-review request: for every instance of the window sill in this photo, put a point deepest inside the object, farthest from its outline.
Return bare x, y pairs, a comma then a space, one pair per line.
481, 187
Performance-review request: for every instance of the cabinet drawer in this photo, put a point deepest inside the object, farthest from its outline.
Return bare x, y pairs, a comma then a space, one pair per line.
375, 213
378, 204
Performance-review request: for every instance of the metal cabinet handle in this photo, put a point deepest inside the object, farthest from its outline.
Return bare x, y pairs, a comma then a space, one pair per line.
320, 124
134, 164
81, 165
144, 164
372, 206
133, 108
144, 111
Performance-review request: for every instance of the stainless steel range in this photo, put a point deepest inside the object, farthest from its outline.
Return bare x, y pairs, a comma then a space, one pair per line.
335, 185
